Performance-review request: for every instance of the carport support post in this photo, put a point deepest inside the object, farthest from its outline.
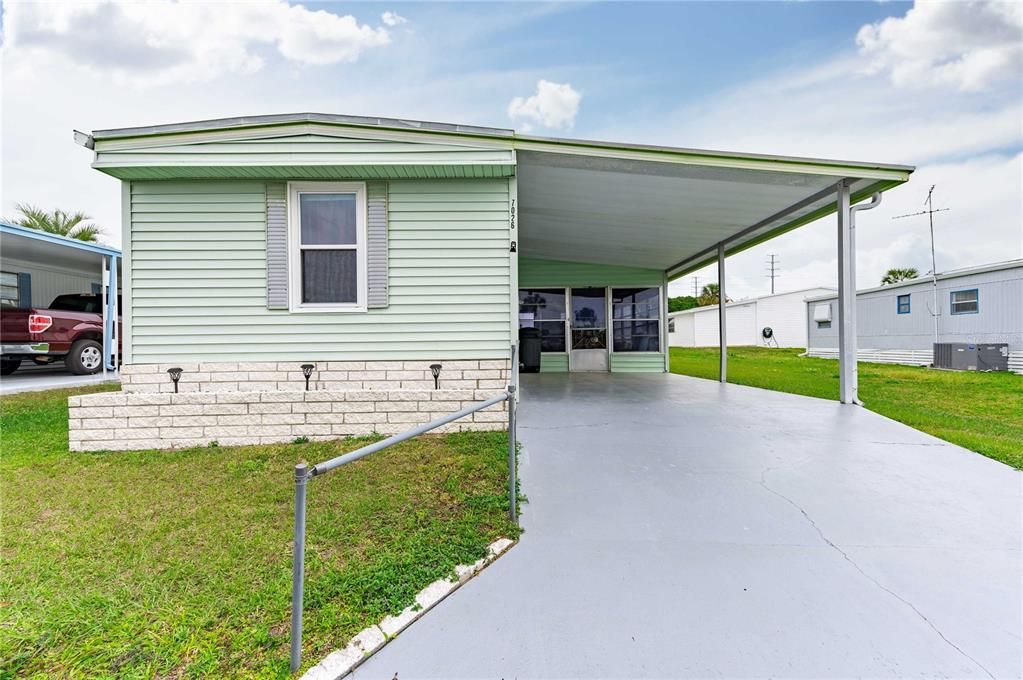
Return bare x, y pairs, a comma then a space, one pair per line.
847, 378
110, 316
302, 474
722, 337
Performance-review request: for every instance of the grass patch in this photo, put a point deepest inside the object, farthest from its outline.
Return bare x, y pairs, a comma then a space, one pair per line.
979, 411
178, 563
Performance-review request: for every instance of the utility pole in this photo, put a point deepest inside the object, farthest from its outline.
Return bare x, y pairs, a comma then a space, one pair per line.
772, 269
929, 202
696, 286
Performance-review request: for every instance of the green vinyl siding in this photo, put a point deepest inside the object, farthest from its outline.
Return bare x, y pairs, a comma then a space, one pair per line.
553, 362
537, 273
637, 362
198, 277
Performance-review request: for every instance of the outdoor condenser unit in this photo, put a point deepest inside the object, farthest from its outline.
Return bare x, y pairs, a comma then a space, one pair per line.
968, 356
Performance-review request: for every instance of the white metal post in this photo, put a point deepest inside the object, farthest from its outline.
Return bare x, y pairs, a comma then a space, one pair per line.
104, 312
722, 313
847, 378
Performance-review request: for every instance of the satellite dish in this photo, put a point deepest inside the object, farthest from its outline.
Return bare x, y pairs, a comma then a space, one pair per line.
767, 332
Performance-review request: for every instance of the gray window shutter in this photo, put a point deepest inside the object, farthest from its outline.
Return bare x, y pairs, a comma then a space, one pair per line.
277, 246
376, 244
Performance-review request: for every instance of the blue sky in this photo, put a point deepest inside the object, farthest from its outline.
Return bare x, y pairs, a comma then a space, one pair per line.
938, 85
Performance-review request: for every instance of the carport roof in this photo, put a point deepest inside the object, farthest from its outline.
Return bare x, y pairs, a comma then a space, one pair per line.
22, 243
613, 203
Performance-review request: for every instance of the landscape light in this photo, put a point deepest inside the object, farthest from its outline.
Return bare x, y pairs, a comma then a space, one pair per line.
307, 370
175, 375
435, 369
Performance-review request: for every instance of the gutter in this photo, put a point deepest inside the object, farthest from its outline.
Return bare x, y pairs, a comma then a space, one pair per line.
84, 139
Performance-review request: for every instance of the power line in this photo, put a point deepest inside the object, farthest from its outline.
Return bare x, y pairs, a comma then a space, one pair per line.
772, 269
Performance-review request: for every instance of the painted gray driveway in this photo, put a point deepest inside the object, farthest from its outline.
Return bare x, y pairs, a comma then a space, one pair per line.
680, 528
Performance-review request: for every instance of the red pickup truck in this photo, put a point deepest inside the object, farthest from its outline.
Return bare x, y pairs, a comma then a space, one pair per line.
69, 330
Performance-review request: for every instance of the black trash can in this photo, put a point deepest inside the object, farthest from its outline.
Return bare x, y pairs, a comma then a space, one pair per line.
529, 350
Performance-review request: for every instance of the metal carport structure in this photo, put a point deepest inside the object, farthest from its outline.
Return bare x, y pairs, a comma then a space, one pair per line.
57, 252
679, 210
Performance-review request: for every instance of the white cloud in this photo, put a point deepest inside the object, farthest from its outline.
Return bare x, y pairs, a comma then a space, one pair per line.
393, 19
162, 41
555, 105
966, 45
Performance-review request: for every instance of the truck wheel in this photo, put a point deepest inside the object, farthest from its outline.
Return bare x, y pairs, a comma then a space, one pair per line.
8, 366
85, 357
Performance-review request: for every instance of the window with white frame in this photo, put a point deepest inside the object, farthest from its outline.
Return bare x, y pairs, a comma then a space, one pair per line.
327, 246
10, 293
636, 319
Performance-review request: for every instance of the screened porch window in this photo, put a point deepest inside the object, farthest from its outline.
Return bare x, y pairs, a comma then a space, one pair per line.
636, 319
544, 310
328, 239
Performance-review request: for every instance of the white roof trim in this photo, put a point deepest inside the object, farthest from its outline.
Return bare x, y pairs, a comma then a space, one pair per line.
942, 276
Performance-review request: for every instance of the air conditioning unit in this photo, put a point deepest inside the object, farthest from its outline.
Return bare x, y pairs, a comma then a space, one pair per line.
968, 356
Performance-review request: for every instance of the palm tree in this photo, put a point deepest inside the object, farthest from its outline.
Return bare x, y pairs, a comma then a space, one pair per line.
895, 274
73, 225
709, 295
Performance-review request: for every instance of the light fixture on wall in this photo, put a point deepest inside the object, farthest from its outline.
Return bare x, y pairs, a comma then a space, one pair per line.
175, 375
435, 369
307, 371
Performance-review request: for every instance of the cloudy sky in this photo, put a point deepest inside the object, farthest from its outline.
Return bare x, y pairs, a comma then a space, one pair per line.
936, 85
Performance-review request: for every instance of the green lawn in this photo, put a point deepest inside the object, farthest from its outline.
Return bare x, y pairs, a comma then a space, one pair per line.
979, 411
178, 564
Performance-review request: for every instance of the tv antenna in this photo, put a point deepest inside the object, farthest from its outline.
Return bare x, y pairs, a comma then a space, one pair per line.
772, 269
929, 202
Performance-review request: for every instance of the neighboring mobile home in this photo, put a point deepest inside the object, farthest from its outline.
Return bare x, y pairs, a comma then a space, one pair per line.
900, 322
777, 320
373, 249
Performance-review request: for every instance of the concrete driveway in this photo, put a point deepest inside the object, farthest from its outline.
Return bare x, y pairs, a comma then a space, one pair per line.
29, 378
681, 528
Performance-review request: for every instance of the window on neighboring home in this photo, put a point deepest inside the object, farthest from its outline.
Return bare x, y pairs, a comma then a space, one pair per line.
544, 310
671, 325
823, 324
965, 301
636, 319
902, 304
10, 294
327, 246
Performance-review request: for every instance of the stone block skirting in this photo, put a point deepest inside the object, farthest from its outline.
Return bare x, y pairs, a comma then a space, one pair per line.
266, 376
140, 420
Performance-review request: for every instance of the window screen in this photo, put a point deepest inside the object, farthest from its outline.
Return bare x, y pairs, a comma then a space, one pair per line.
543, 309
636, 319
10, 295
965, 301
328, 240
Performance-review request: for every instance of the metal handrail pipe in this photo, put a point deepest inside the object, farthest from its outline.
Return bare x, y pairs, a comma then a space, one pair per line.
334, 463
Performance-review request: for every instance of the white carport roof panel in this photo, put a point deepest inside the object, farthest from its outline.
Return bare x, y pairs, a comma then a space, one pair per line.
650, 214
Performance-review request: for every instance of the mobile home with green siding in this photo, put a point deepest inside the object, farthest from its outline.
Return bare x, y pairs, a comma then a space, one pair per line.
373, 249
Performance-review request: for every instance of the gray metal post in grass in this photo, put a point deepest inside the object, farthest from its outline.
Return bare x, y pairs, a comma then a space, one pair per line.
302, 476
512, 510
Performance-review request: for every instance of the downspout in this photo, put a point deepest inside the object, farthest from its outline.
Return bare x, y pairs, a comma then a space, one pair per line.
875, 200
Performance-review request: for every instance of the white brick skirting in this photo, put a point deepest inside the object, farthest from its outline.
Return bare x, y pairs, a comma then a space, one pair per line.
141, 420
265, 376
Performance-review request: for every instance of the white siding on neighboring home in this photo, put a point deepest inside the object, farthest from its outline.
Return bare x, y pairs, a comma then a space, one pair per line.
48, 282
784, 313
198, 277
879, 326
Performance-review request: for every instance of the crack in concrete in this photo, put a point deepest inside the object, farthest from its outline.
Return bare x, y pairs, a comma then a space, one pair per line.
845, 556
